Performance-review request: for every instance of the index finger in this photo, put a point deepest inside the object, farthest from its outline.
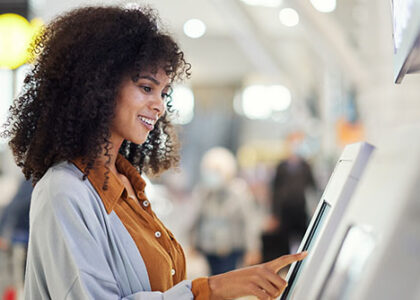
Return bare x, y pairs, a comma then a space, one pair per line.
279, 263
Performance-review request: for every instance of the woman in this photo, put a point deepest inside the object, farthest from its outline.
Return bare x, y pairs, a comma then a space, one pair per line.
95, 107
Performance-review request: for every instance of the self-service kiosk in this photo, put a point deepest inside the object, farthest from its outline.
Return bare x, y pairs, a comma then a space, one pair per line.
330, 209
383, 261
374, 252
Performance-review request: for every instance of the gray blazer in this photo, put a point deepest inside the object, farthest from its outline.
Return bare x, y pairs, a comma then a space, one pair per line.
78, 251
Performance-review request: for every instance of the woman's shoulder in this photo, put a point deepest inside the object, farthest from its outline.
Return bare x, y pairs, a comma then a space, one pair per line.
63, 176
62, 179
62, 188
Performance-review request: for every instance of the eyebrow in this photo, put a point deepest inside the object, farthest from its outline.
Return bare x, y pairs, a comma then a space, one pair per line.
152, 79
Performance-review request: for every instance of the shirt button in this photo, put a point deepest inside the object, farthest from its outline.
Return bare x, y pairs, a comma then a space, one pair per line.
158, 234
146, 203
173, 272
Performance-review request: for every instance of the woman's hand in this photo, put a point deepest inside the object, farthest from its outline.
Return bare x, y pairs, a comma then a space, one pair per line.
261, 280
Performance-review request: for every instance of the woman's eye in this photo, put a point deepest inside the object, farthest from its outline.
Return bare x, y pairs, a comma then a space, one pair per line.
147, 89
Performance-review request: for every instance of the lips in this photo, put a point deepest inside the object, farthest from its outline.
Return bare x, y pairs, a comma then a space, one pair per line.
147, 122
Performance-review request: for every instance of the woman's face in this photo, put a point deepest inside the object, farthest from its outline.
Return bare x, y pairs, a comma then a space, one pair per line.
139, 105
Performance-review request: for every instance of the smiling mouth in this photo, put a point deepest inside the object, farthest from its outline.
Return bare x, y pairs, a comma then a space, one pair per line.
148, 123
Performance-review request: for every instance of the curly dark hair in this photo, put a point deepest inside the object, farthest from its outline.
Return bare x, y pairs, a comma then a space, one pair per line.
69, 96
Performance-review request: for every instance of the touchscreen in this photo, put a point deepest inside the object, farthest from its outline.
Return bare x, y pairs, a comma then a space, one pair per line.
308, 243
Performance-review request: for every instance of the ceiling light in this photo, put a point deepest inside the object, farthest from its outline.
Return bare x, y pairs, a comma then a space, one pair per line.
261, 102
16, 34
324, 6
194, 28
289, 17
255, 103
280, 97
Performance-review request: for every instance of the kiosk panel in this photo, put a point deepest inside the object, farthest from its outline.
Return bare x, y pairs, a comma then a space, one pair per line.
330, 209
348, 265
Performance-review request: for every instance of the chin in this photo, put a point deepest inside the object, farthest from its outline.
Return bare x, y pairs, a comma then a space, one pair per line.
138, 140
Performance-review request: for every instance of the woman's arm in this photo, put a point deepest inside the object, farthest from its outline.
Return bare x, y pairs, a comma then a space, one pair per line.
67, 255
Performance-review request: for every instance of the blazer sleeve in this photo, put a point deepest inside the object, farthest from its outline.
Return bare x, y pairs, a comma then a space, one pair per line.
77, 291
65, 259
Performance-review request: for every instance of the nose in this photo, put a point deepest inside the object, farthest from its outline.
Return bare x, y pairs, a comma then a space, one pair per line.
158, 105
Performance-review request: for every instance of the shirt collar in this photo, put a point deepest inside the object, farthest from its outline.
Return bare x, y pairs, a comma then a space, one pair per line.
126, 168
115, 187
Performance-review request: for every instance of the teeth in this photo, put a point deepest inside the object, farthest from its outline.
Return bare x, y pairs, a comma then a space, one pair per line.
146, 120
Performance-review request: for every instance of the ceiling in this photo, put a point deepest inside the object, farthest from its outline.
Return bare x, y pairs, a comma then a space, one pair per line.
245, 42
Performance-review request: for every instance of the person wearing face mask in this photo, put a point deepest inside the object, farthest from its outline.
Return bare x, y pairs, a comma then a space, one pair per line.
227, 228
289, 219
94, 116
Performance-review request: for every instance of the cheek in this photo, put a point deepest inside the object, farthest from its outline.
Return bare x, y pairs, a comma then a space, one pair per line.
119, 115
125, 110
122, 119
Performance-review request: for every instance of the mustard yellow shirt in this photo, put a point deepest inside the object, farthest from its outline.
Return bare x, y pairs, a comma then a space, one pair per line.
162, 254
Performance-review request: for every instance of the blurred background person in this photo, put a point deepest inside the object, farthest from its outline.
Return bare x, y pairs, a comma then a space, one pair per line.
289, 214
14, 219
14, 235
227, 228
